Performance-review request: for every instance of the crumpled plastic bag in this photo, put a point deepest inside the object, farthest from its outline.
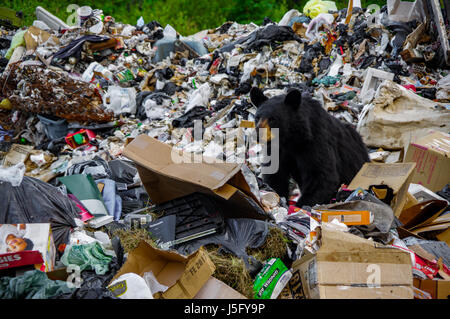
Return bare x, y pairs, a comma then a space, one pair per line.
13, 174
121, 100
17, 41
88, 256
312, 31
315, 7
33, 284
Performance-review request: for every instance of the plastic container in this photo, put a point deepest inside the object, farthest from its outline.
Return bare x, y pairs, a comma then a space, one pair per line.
54, 128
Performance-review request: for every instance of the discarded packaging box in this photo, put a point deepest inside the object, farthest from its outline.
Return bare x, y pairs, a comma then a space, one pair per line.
438, 289
363, 217
425, 214
27, 244
293, 289
396, 175
216, 289
350, 267
184, 276
165, 179
432, 155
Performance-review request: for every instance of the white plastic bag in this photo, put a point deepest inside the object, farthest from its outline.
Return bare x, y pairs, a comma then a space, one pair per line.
13, 174
121, 100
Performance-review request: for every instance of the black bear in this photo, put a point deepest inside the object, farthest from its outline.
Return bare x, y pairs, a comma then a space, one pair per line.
317, 150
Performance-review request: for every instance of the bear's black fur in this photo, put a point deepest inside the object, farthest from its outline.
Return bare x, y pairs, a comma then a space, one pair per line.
317, 150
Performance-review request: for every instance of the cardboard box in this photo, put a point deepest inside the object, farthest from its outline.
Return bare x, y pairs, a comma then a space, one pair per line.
293, 289
396, 175
349, 267
363, 217
438, 289
432, 155
31, 244
426, 217
164, 179
184, 276
216, 289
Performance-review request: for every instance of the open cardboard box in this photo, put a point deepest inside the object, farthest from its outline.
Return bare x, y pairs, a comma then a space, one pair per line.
426, 217
347, 267
164, 179
185, 276
396, 175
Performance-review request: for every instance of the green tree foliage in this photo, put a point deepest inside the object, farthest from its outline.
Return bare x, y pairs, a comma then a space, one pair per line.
187, 17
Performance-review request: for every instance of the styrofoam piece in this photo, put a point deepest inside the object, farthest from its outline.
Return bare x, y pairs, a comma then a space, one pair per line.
52, 21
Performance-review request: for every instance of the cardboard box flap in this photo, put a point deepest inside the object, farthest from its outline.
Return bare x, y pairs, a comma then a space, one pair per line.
184, 276
338, 246
436, 141
422, 213
355, 273
394, 175
157, 157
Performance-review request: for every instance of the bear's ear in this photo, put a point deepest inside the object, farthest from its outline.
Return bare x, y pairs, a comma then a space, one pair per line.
257, 97
293, 98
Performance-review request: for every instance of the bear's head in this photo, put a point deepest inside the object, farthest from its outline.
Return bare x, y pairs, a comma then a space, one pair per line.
281, 112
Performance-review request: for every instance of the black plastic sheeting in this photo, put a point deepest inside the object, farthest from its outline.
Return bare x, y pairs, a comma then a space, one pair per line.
239, 234
35, 201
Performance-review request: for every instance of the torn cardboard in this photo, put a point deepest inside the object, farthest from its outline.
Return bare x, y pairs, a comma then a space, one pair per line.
184, 276
347, 266
432, 155
396, 175
165, 179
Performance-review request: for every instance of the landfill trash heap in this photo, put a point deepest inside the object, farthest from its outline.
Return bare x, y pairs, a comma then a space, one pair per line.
91, 116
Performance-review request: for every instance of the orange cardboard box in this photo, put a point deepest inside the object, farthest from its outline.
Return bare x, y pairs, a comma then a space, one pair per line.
363, 217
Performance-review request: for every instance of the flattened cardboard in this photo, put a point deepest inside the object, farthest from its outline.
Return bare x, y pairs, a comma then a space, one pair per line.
342, 267
396, 175
432, 155
216, 289
184, 276
165, 180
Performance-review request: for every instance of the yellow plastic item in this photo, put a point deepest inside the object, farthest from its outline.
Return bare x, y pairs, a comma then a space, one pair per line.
315, 7
5, 104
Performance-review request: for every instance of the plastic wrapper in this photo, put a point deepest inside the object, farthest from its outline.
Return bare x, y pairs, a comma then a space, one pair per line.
315, 7
240, 234
87, 256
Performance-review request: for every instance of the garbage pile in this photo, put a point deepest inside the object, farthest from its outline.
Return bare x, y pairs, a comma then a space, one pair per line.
117, 182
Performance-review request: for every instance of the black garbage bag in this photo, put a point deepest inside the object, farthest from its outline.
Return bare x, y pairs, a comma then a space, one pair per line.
187, 120
74, 48
94, 286
35, 201
239, 234
122, 171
